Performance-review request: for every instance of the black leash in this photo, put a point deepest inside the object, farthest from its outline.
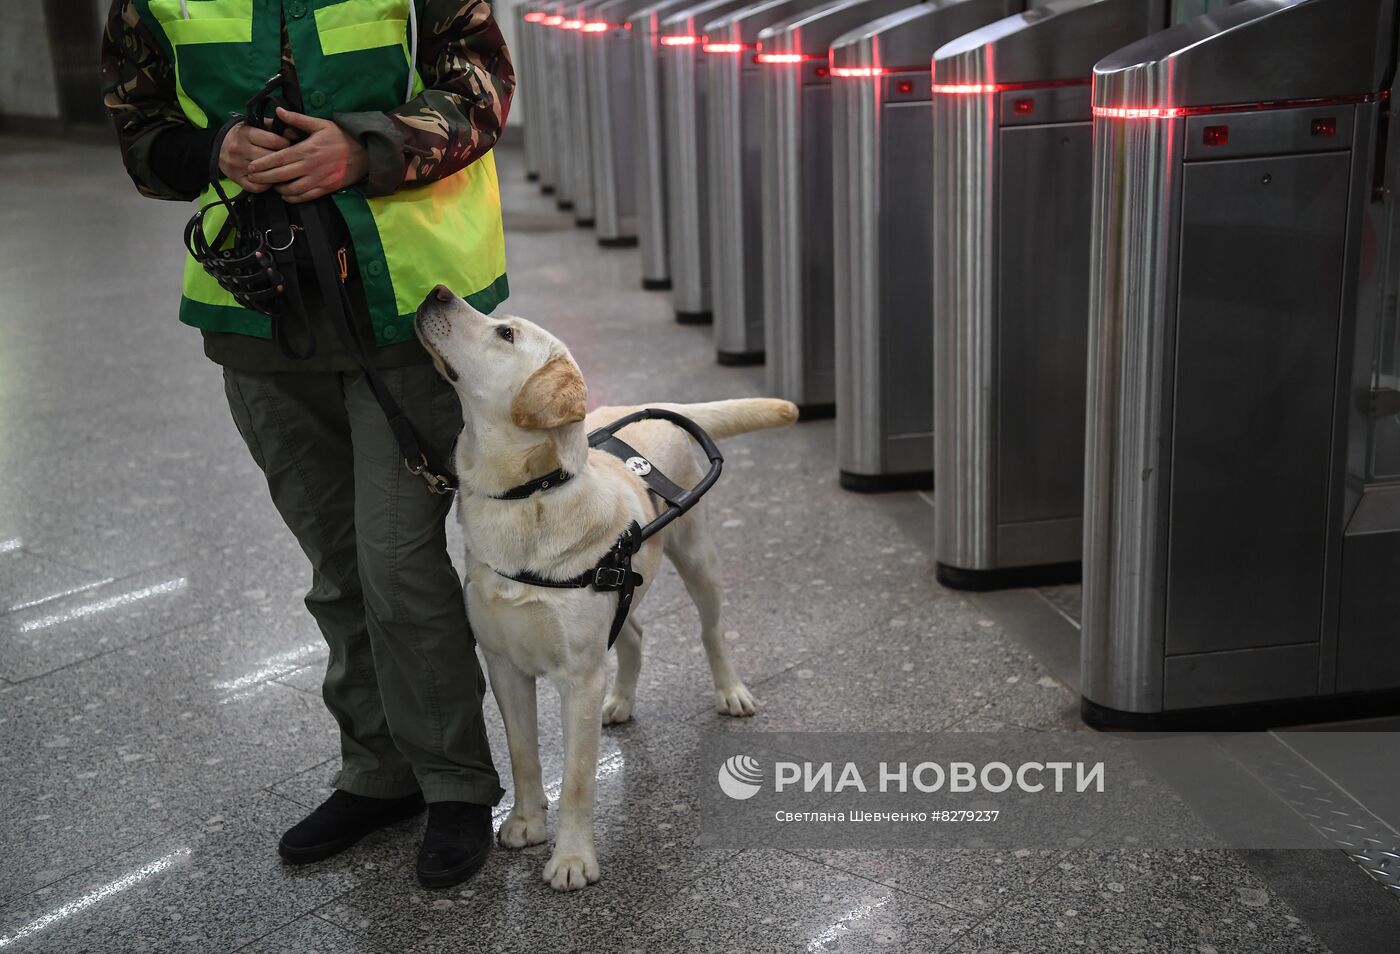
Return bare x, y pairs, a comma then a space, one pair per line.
613, 572
253, 257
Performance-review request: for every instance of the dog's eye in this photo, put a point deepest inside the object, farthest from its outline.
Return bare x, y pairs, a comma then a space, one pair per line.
505, 334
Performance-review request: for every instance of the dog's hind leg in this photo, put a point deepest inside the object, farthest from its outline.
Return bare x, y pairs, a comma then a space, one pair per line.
515, 694
691, 550
574, 863
617, 705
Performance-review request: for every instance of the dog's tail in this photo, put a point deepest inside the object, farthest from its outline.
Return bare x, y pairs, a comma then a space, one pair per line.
722, 419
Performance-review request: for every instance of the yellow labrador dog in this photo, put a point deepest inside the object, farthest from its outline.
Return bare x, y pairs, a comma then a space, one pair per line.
523, 402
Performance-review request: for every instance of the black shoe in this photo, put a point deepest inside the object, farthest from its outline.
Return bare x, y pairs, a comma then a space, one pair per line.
456, 844
342, 820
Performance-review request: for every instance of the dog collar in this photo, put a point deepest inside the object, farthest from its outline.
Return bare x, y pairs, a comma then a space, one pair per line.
552, 479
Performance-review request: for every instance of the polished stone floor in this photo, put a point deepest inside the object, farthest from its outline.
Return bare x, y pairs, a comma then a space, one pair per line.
160, 718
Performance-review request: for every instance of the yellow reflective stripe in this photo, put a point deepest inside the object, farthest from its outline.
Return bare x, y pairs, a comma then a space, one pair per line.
362, 25
352, 12
210, 21
445, 232
364, 36
189, 32
197, 117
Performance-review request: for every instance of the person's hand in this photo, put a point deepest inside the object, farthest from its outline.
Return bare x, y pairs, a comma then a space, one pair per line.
244, 145
323, 160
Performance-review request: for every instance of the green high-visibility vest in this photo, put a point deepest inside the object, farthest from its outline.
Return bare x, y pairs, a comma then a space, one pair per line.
351, 56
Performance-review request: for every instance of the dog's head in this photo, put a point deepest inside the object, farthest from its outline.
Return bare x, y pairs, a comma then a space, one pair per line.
514, 378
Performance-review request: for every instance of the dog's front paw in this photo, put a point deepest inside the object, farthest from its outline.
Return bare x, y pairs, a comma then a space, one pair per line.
734, 701
521, 831
616, 709
571, 872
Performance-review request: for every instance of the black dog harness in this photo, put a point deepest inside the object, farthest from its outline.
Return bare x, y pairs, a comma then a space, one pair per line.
613, 571
253, 257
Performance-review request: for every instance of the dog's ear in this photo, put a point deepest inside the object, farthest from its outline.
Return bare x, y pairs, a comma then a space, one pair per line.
553, 396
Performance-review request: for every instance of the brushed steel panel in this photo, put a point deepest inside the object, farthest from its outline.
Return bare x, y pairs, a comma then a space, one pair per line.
905, 293
1034, 543
1257, 324
815, 322
1041, 335
964, 329
1263, 134
1131, 298
1241, 676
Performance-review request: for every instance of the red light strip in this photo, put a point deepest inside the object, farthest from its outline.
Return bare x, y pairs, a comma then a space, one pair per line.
725, 47
1176, 112
965, 89
858, 72
975, 89
1139, 112
685, 40
571, 25
596, 26
552, 21
774, 59
534, 16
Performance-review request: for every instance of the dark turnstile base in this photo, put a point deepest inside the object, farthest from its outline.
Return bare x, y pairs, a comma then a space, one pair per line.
886, 483
739, 359
584, 223
816, 412
1007, 578
564, 206
532, 177
656, 284
1249, 717
695, 317
622, 241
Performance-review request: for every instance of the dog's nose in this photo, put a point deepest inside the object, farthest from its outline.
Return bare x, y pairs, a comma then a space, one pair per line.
443, 293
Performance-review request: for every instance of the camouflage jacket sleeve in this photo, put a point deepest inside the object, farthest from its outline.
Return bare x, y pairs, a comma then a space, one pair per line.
468, 81
139, 92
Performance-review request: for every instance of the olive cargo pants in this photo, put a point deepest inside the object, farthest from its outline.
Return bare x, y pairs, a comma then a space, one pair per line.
403, 680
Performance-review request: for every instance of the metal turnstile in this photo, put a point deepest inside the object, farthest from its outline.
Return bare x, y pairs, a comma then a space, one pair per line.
533, 84
553, 74
1012, 161
798, 247
526, 16
883, 234
579, 94
648, 54
735, 139
1242, 507
684, 83
612, 115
